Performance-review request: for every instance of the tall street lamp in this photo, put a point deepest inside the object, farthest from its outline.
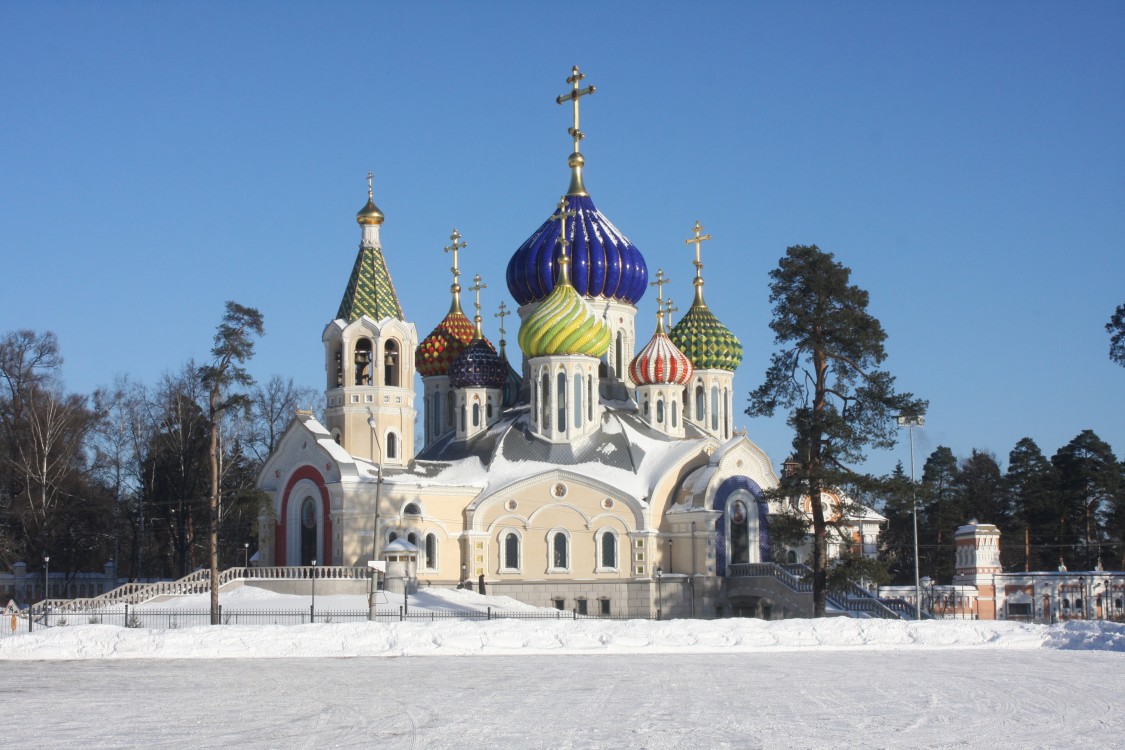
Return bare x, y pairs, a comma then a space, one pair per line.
378, 481
246, 554
659, 596
312, 607
910, 421
46, 577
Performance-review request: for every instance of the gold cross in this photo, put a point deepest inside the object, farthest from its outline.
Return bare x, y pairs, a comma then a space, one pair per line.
476, 287
661, 280
574, 95
698, 240
504, 312
668, 310
457, 245
370, 178
562, 216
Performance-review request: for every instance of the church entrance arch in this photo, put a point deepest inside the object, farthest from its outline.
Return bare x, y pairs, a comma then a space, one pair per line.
308, 530
742, 532
304, 529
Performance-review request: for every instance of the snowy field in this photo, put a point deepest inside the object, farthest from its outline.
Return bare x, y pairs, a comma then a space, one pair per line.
585, 684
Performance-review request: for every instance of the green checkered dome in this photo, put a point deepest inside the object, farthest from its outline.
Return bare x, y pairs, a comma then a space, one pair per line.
706, 341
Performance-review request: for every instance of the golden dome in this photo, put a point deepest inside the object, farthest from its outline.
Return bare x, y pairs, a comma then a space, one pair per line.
369, 214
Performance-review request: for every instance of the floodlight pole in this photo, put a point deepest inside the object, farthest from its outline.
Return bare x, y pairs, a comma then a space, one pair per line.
910, 422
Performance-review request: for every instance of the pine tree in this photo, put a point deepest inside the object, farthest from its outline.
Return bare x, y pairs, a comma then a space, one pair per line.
1116, 329
1030, 487
1089, 484
896, 543
940, 514
827, 375
234, 344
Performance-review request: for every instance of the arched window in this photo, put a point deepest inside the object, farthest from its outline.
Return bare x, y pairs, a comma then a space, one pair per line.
431, 551
699, 403
590, 398
392, 445
338, 358
412, 538
488, 409
545, 402
560, 397
645, 408
412, 509
608, 551
392, 536
363, 357
390, 363
511, 551
450, 408
726, 412
660, 411
462, 420
577, 401
476, 415
715, 408
619, 356
560, 556
436, 421
675, 414
534, 403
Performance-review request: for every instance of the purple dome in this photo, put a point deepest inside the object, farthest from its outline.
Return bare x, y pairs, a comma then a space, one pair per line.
479, 366
603, 262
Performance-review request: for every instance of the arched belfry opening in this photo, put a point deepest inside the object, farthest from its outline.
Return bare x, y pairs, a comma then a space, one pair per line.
363, 362
391, 363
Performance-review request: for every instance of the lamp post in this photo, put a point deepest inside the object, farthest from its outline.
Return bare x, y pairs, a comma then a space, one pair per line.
659, 596
1106, 611
1082, 587
46, 577
378, 482
312, 607
246, 554
910, 422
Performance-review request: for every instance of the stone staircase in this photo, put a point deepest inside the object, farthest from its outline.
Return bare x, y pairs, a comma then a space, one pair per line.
855, 601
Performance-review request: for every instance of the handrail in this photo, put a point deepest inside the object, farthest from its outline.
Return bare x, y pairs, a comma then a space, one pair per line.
796, 577
199, 582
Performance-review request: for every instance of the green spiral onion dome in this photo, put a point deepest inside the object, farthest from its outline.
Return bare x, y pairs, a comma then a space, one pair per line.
707, 342
563, 324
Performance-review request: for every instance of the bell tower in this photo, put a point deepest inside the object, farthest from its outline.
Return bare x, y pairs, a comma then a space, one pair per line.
369, 357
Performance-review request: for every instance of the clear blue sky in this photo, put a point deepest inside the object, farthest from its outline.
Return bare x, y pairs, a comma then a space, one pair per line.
966, 160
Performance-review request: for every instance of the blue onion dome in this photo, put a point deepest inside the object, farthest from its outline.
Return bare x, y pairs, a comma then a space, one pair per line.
603, 262
479, 366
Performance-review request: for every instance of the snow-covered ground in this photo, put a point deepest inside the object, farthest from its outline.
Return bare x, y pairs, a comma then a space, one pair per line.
565, 684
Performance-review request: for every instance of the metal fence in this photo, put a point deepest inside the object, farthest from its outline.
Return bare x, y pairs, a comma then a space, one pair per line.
171, 619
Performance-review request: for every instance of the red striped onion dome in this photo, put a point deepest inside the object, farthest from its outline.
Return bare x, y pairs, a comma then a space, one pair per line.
444, 344
660, 363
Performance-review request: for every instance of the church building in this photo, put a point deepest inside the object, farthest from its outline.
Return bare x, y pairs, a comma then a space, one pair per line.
596, 468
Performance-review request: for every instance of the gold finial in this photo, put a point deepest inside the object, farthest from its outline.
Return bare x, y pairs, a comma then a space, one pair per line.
668, 310
476, 287
698, 240
661, 280
564, 261
370, 213
575, 161
504, 312
456, 287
